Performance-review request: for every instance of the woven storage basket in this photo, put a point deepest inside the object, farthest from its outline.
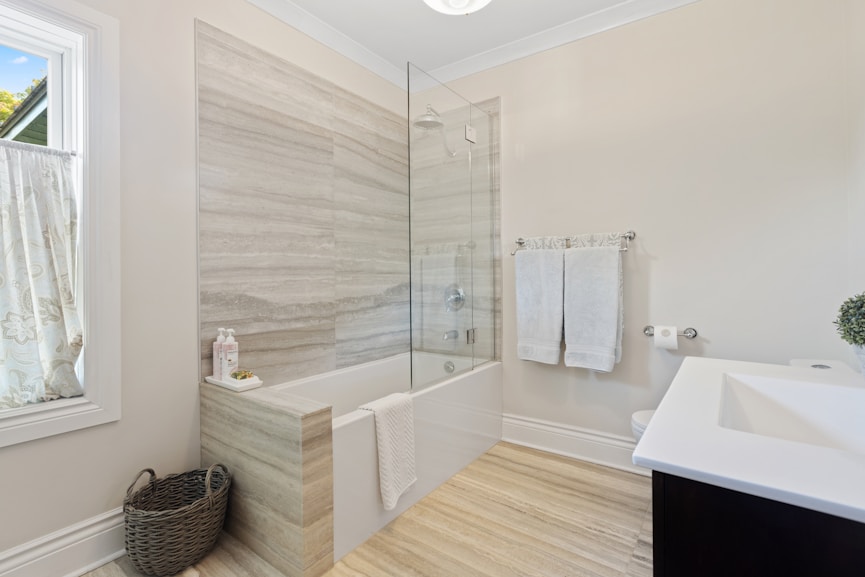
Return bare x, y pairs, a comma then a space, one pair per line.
172, 522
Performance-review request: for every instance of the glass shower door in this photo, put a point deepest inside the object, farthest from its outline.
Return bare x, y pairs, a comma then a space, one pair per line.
483, 239
448, 139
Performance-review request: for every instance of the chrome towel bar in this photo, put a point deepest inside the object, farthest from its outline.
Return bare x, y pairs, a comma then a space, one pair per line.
626, 236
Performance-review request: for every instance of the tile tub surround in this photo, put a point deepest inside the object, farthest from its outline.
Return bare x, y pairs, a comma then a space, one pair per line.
278, 448
303, 215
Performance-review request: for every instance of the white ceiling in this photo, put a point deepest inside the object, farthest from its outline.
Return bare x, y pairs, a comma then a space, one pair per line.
382, 35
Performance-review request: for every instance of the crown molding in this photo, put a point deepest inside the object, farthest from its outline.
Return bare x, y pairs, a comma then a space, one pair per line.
595, 23
323, 32
623, 13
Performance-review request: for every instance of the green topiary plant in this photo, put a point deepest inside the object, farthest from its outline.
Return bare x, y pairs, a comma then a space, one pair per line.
851, 320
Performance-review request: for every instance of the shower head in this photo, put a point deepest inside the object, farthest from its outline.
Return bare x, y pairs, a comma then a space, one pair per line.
429, 120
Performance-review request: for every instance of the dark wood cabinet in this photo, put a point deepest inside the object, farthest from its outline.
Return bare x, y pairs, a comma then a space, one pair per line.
701, 530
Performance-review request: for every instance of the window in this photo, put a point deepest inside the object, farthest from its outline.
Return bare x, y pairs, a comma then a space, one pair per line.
80, 47
23, 96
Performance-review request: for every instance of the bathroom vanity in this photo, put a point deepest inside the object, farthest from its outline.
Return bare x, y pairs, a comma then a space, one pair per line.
757, 470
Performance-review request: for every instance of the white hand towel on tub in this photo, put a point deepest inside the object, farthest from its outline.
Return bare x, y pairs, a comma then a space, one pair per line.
539, 278
593, 307
394, 431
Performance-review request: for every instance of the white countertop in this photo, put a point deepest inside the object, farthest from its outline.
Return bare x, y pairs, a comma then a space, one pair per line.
685, 438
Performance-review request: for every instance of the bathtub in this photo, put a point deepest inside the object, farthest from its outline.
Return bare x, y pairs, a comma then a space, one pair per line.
456, 421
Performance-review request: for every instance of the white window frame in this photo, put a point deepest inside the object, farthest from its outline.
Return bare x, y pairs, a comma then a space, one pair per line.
87, 101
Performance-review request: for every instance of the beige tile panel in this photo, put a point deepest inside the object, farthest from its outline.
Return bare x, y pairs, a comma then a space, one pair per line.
278, 448
303, 215
317, 522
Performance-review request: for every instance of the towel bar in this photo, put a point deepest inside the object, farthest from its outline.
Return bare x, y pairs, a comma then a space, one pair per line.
626, 236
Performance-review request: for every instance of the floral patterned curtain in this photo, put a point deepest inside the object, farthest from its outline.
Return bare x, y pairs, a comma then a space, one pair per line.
40, 330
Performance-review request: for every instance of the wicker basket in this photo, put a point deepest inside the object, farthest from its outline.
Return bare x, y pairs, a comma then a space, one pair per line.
172, 522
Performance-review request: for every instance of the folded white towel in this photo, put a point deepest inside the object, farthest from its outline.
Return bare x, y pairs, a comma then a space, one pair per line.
539, 279
593, 307
394, 431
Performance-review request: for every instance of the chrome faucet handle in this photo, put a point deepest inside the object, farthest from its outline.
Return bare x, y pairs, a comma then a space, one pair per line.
454, 298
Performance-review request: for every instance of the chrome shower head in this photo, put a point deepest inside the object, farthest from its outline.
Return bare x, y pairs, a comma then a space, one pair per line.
429, 120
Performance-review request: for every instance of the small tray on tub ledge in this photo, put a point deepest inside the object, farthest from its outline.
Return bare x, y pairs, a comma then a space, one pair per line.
236, 385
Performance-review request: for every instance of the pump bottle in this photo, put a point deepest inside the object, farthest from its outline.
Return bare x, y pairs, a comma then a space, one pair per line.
217, 354
229, 355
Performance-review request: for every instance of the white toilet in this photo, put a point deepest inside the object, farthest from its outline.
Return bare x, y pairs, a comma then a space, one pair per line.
639, 422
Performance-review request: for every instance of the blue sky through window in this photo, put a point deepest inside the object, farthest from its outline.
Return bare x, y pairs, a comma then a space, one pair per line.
18, 69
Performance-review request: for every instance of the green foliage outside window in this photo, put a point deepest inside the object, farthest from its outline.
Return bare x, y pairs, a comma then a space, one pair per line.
9, 102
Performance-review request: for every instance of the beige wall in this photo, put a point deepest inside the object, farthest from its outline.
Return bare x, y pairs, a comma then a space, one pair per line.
719, 132
856, 213
52, 483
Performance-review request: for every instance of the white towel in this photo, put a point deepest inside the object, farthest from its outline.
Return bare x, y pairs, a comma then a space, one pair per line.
394, 431
593, 307
539, 279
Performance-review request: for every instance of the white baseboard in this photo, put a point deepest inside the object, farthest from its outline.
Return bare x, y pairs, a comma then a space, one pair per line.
584, 444
69, 552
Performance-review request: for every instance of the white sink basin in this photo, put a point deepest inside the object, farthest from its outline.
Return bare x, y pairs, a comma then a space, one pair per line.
792, 434
800, 411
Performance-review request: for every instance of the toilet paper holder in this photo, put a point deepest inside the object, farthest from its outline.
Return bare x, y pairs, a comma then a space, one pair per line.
688, 333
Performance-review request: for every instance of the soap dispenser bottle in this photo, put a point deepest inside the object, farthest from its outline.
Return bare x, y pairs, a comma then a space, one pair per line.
229, 355
217, 354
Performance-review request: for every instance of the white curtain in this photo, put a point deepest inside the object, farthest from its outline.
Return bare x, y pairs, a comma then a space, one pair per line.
40, 330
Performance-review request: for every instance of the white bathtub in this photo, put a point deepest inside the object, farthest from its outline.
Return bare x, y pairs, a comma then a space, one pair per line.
456, 421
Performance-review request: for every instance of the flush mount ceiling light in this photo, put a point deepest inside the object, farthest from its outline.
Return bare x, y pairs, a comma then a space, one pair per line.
456, 7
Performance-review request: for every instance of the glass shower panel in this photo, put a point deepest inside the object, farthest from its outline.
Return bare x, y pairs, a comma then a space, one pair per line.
447, 290
483, 229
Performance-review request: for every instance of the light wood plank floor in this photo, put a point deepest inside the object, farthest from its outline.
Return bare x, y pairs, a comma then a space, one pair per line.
515, 512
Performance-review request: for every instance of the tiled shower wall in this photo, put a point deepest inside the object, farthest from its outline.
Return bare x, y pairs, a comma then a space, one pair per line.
303, 215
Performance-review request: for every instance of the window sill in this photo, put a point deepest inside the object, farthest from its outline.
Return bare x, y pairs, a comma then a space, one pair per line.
52, 418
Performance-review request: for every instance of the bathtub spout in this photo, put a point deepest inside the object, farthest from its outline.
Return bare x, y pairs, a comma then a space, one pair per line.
450, 335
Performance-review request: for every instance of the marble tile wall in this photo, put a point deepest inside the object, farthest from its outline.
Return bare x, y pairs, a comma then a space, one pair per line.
279, 450
303, 215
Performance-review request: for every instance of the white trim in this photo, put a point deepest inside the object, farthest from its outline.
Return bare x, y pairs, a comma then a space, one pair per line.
68, 552
43, 33
585, 444
623, 13
597, 22
323, 32
97, 146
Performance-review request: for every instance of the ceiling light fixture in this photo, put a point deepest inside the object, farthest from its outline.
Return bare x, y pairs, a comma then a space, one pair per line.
456, 7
